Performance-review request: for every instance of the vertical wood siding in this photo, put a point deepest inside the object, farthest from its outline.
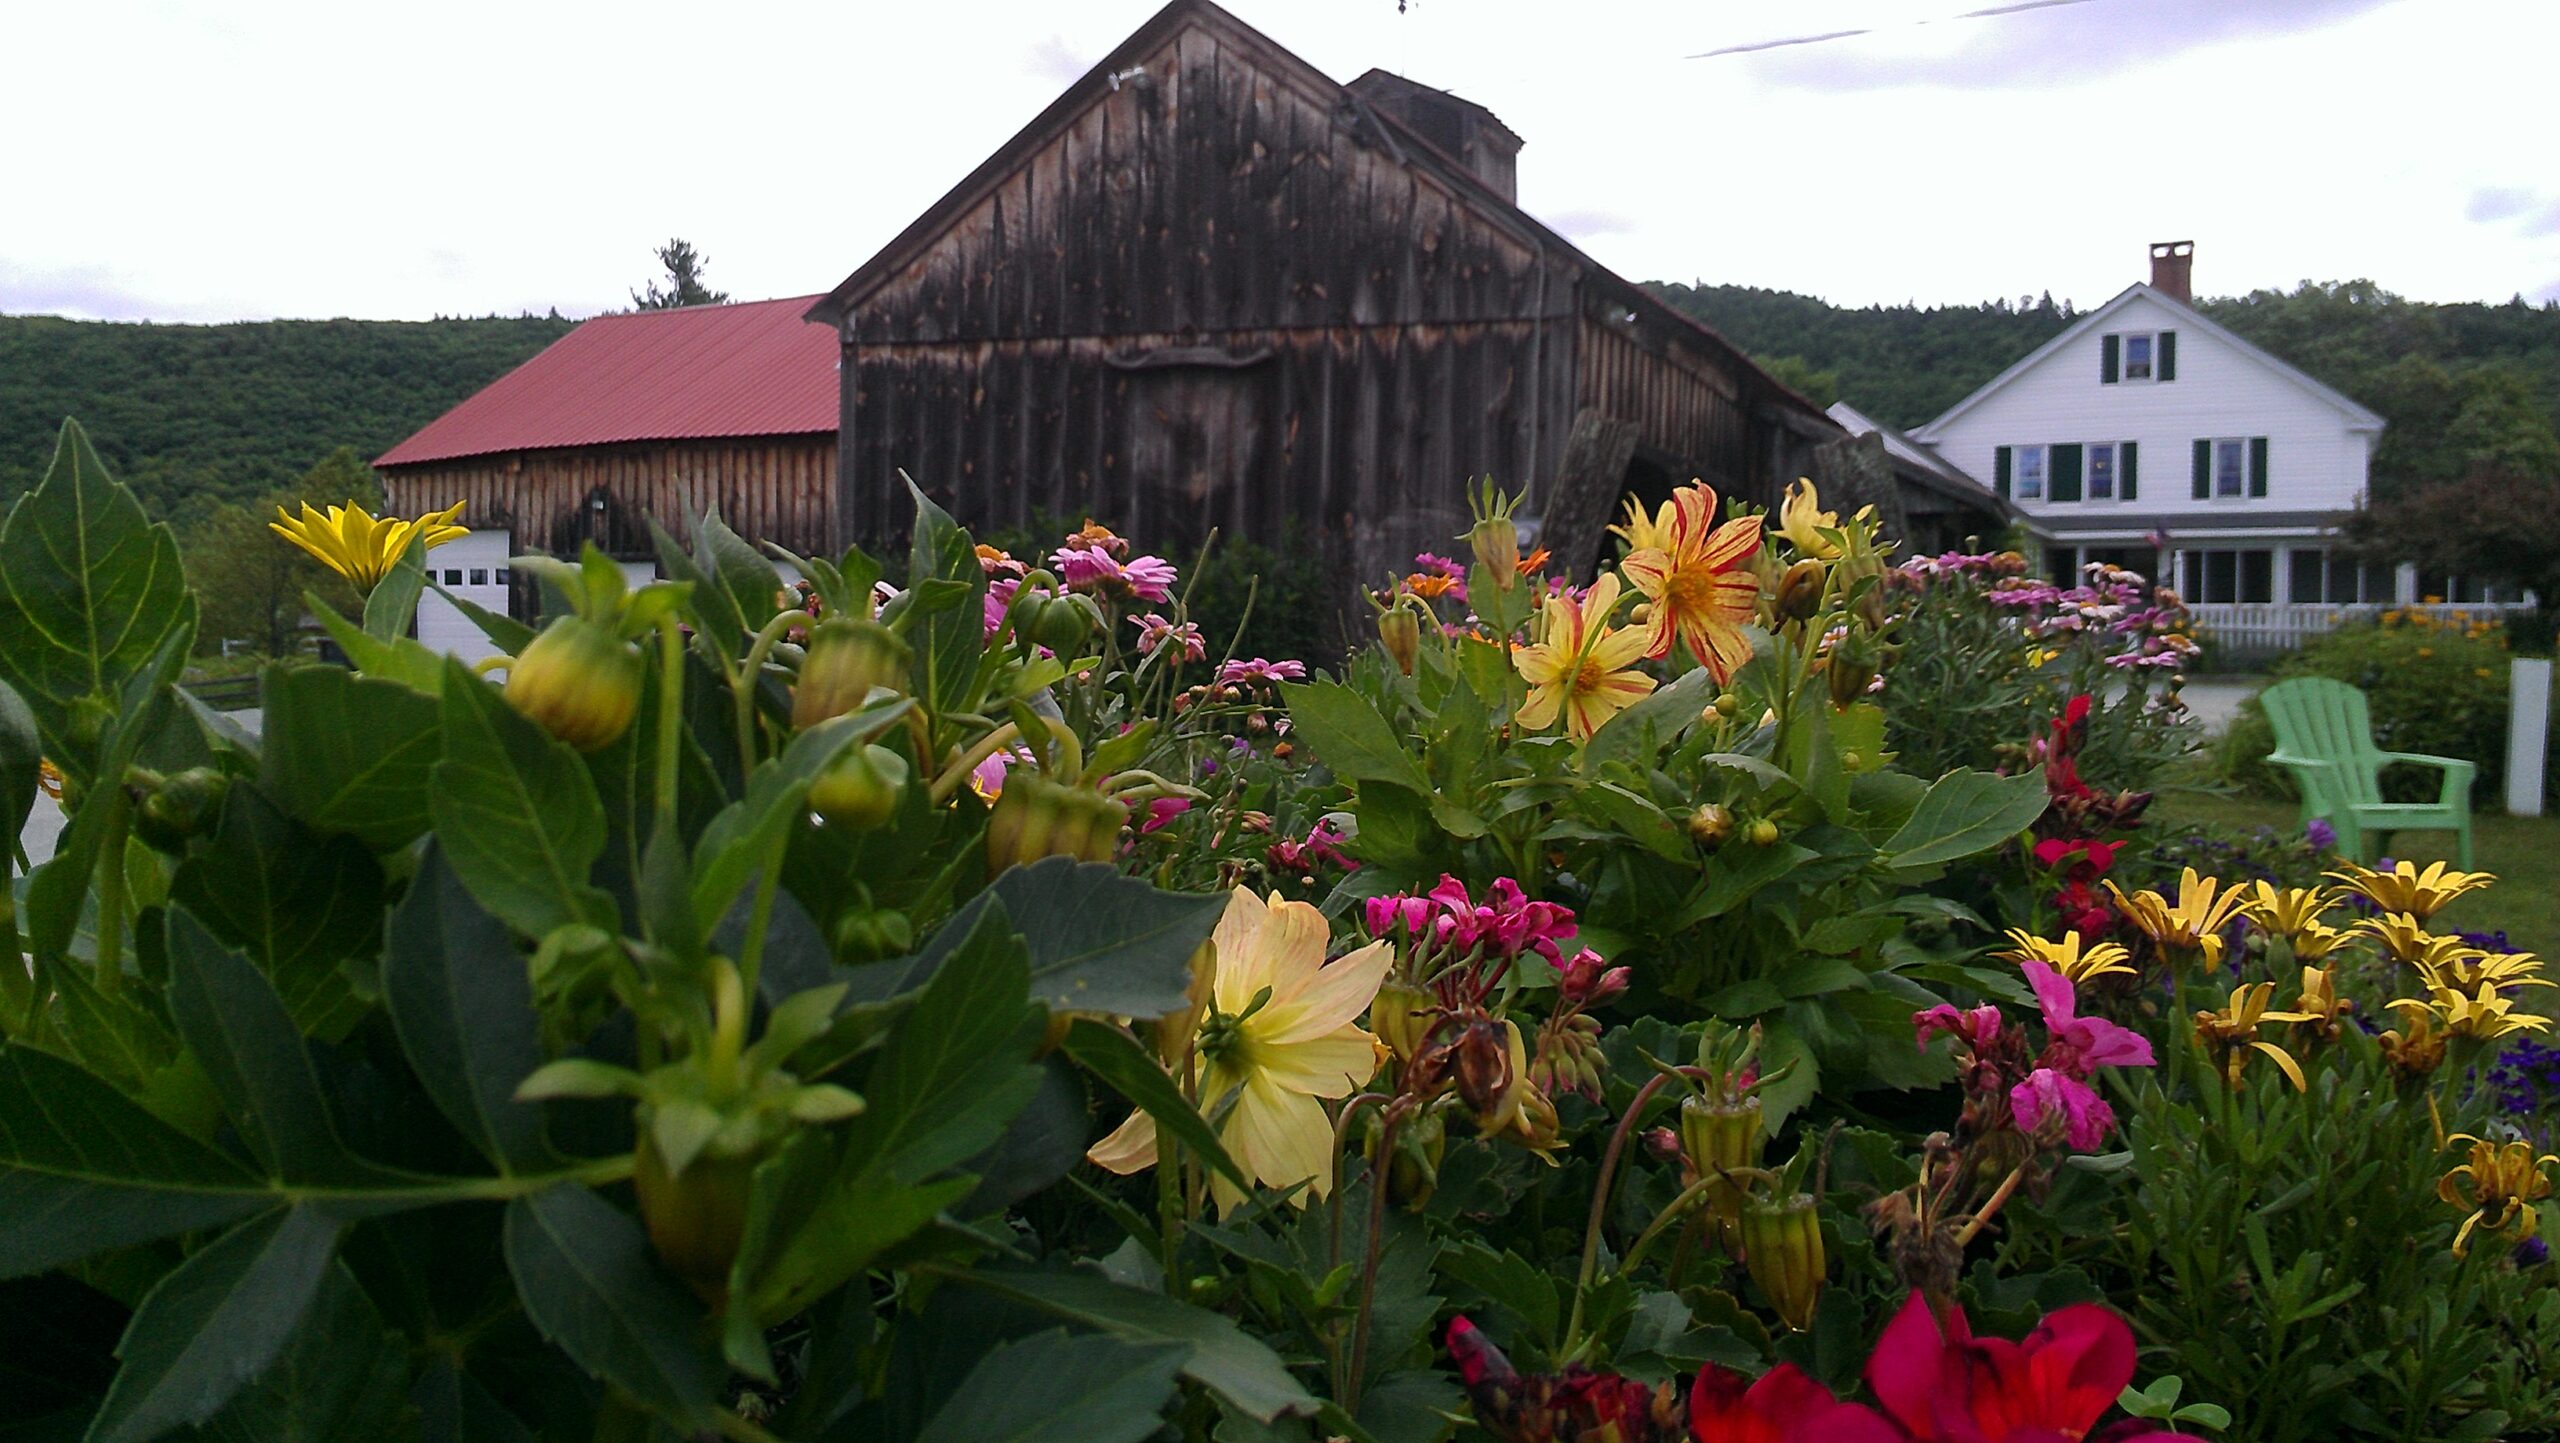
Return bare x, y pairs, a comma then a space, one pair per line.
778, 489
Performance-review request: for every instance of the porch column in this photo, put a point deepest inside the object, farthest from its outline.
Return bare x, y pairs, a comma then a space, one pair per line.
2280, 588
2404, 583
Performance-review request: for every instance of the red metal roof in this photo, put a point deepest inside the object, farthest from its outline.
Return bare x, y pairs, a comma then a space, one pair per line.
752, 369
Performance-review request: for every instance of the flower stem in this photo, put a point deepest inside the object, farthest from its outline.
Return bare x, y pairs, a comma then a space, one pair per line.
1369, 1261
1991, 1206
1600, 1199
119, 804
742, 687
670, 718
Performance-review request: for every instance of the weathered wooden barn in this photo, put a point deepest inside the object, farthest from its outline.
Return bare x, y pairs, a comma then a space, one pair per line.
1212, 287
628, 418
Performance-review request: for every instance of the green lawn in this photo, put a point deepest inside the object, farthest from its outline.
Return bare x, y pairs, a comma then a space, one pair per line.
2523, 851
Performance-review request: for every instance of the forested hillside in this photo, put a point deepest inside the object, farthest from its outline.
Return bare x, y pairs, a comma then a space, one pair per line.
196, 415
2464, 387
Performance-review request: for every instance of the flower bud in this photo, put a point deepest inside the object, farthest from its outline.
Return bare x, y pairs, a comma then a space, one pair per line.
1782, 1247
1400, 636
1067, 623
848, 656
1851, 671
1709, 825
1800, 590
181, 806
1490, 1059
1037, 817
577, 681
696, 1217
1721, 1139
1496, 543
1413, 1169
861, 790
1763, 833
1400, 1016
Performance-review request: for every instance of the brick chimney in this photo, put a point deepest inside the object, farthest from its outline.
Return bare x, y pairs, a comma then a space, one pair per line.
2173, 265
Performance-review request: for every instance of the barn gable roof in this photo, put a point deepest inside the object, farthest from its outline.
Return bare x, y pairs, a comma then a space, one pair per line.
1410, 147
756, 368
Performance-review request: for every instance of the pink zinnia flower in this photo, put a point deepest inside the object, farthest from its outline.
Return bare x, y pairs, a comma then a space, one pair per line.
1243, 672
1092, 569
1155, 631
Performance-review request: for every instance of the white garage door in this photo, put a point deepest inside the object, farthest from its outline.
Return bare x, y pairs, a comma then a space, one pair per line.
473, 567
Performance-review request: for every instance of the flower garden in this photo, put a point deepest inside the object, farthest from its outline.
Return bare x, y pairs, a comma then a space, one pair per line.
950, 997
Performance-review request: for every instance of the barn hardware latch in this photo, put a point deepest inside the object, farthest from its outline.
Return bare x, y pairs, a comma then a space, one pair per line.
1206, 358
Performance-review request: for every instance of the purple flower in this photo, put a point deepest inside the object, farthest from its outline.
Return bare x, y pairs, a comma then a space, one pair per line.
1240, 671
2320, 834
2533, 1252
1095, 570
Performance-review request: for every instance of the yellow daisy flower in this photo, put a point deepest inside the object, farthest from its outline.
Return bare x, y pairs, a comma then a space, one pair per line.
354, 543
1579, 666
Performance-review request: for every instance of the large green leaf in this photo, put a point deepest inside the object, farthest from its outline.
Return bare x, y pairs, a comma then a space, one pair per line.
950, 641
938, 1093
1966, 812
349, 754
214, 1323
342, 1376
57, 890
298, 903
90, 589
20, 749
592, 1286
1104, 942
1134, 1073
1347, 734
393, 603
517, 813
1052, 1388
402, 659
237, 1028
84, 1168
57, 1355
1240, 1369
458, 995
454, 1407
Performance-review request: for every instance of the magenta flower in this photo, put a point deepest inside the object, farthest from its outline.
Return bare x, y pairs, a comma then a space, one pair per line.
1156, 631
1094, 570
1238, 671
2080, 1044
2086, 1117
1977, 1029
1163, 810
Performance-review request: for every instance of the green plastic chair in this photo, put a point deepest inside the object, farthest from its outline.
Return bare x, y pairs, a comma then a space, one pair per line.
2324, 737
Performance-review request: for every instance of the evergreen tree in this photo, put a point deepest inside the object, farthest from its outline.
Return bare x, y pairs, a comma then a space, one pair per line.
684, 286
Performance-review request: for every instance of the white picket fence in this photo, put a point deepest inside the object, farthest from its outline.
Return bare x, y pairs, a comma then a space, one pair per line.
2254, 630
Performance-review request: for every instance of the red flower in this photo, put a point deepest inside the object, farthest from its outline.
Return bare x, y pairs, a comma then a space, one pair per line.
1574, 1406
1785, 1406
1941, 1383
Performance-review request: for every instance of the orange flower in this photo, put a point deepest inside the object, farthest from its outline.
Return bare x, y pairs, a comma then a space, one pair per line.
1530, 564
1430, 586
1699, 583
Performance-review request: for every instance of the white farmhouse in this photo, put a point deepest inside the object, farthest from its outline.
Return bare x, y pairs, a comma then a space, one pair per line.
2150, 437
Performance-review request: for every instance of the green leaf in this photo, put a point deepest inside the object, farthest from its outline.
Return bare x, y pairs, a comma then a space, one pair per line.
57, 890
517, 813
1966, 812
83, 1168
1512, 1283
342, 1375
237, 1028
948, 642
940, 1091
745, 832
298, 903
349, 754
1105, 942
393, 603
1240, 1369
1052, 1388
402, 659
1347, 734
1663, 715
1134, 1073
458, 995
20, 750
504, 632
214, 1323
90, 591
591, 1286
455, 1408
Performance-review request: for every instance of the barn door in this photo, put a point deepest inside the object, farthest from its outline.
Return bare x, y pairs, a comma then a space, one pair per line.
1195, 425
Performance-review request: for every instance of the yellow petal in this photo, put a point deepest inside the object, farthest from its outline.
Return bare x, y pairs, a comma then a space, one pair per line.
1333, 1065
1281, 1138
2283, 1059
1131, 1147
1333, 999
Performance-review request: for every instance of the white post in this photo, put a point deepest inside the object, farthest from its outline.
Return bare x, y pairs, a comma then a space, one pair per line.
2528, 734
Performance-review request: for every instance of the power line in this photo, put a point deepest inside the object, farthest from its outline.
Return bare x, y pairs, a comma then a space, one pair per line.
1991, 12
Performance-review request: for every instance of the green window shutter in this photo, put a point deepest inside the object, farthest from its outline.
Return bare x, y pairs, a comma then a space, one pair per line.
2107, 359
2063, 482
2000, 471
2204, 470
2257, 465
2167, 366
2125, 475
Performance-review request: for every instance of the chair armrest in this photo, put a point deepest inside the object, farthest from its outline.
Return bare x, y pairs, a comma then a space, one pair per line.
2458, 775
2284, 759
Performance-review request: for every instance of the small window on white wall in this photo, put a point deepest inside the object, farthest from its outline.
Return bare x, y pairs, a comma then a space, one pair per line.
2102, 471
2138, 347
2030, 479
2230, 467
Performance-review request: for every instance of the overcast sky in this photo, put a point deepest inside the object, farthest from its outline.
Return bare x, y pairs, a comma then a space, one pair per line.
191, 160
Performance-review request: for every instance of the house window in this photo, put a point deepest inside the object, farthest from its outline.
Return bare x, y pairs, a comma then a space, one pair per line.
453, 576
2230, 467
2257, 576
2217, 578
479, 576
2137, 356
2102, 471
2303, 578
503, 578
2030, 478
